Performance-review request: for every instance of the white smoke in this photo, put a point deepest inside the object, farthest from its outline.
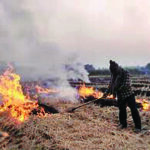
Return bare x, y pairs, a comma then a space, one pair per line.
34, 56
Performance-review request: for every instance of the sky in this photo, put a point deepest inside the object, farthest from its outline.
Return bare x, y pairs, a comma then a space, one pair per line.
50, 33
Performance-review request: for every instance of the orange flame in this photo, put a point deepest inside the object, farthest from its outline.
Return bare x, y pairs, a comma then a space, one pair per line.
89, 91
12, 95
40, 89
110, 96
145, 104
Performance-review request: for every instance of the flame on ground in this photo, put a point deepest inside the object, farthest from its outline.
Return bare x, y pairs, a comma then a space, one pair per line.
145, 104
40, 89
89, 91
110, 96
14, 101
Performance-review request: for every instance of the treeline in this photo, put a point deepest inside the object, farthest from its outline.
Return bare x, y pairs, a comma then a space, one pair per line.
144, 70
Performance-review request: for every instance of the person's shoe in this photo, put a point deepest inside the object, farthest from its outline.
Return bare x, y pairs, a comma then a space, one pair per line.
121, 126
137, 130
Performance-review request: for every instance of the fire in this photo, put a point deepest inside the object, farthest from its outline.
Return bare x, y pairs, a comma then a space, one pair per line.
15, 102
40, 89
110, 97
89, 91
145, 104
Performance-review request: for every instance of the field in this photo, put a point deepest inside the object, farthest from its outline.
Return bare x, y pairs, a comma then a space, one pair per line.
88, 128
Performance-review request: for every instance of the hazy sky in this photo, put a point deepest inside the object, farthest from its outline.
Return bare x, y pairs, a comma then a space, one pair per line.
91, 31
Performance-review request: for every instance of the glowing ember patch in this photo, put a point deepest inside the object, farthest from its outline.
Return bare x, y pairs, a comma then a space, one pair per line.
110, 97
12, 95
89, 91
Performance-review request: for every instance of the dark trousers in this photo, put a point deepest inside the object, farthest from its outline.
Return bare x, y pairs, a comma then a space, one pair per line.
130, 102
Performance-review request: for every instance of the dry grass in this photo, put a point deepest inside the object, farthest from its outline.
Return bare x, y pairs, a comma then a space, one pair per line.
88, 128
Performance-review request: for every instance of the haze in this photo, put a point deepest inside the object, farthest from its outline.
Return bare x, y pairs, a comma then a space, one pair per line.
50, 32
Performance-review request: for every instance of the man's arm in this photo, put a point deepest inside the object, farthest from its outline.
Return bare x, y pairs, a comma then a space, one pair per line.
109, 88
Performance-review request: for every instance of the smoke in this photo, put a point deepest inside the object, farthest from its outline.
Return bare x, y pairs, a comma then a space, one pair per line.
42, 37
95, 28
33, 55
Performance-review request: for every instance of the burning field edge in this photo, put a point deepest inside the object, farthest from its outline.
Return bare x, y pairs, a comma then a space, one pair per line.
26, 123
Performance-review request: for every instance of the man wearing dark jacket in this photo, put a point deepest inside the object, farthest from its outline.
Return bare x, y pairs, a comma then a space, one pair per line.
120, 86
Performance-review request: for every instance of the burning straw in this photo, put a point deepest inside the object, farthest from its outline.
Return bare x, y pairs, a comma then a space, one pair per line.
14, 101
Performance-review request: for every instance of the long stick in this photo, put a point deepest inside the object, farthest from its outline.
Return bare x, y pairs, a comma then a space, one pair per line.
72, 109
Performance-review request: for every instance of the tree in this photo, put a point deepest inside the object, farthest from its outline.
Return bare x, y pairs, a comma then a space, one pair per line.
89, 68
148, 66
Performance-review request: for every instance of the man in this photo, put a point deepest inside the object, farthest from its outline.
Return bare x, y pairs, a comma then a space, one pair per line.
120, 87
